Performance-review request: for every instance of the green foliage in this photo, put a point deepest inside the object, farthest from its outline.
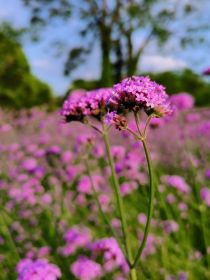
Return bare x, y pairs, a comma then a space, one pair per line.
76, 57
113, 26
85, 84
18, 87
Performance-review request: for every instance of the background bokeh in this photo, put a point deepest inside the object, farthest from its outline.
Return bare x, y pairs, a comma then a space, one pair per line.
89, 44
50, 50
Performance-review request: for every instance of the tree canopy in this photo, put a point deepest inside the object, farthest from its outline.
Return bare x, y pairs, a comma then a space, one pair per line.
122, 28
18, 86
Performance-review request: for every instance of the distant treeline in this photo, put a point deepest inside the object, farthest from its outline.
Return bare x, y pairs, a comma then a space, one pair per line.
18, 86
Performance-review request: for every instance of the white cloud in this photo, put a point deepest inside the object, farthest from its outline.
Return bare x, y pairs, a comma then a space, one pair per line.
42, 64
158, 63
3, 14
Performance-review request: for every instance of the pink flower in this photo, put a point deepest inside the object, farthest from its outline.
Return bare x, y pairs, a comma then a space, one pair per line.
205, 195
142, 218
46, 198
182, 101
126, 188
86, 269
177, 182
170, 198
138, 92
76, 237
112, 254
93, 103
207, 174
37, 270
29, 164
170, 226
66, 157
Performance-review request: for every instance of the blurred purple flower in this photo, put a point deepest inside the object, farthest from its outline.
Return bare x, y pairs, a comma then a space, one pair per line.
93, 103
182, 276
207, 173
205, 195
86, 269
29, 164
206, 71
177, 182
182, 101
112, 254
76, 237
170, 226
37, 270
142, 218
53, 150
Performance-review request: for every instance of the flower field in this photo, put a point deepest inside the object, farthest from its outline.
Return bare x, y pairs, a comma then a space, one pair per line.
53, 173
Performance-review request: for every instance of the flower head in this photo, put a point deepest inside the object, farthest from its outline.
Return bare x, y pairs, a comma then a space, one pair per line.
182, 101
96, 101
93, 103
112, 254
75, 237
86, 269
138, 92
37, 270
205, 196
177, 182
170, 226
119, 121
73, 111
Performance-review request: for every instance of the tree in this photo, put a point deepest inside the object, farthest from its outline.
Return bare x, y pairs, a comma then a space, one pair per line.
18, 87
115, 24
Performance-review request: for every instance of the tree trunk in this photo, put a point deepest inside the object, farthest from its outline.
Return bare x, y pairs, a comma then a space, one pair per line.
132, 65
105, 38
132, 60
106, 67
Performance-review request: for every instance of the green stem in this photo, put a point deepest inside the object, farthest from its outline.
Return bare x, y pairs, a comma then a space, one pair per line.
120, 206
151, 203
8, 234
205, 237
136, 116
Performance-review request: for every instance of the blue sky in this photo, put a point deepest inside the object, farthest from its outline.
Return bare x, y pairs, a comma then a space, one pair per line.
49, 68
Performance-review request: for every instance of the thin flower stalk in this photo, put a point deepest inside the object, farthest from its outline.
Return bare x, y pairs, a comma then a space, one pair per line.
120, 206
5, 228
151, 203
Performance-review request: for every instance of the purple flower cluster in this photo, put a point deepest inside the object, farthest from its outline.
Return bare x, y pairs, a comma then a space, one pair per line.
205, 195
84, 185
75, 237
138, 92
112, 254
177, 182
131, 94
86, 269
182, 101
37, 270
93, 103
170, 226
